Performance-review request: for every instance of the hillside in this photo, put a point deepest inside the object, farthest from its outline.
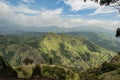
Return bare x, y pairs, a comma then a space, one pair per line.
35, 72
72, 51
63, 50
106, 41
106, 71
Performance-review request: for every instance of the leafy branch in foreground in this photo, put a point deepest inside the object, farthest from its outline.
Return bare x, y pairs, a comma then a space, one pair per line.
111, 3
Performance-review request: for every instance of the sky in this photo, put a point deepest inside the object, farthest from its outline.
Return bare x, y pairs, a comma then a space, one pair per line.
59, 13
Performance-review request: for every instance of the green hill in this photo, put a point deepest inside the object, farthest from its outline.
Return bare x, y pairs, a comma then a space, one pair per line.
63, 50
106, 41
72, 51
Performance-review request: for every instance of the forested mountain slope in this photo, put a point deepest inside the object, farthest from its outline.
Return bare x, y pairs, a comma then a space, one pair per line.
52, 48
106, 41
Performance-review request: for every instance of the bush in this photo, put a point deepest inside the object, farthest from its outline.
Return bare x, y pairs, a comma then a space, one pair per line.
6, 70
28, 61
109, 67
53, 72
36, 71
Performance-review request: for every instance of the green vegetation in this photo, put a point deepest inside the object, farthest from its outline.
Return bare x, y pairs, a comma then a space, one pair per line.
106, 71
43, 57
63, 50
46, 71
106, 41
6, 70
72, 52
28, 61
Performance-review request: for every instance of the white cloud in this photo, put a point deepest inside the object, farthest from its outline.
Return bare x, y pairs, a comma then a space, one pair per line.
93, 22
24, 9
77, 5
104, 10
80, 4
14, 16
29, 1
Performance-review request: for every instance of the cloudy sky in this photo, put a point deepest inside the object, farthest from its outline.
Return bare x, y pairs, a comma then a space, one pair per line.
60, 13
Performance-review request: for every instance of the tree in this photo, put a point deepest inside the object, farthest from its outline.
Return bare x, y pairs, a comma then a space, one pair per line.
111, 3
104, 2
36, 71
6, 70
28, 61
118, 32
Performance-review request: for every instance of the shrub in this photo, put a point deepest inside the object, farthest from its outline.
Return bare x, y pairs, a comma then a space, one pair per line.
28, 61
36, 71
6, 70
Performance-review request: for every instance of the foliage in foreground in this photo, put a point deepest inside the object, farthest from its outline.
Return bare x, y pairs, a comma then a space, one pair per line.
6, 70
107, 71
46, 71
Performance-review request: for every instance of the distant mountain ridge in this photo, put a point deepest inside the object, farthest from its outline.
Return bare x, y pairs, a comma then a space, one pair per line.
56, 29
105, 40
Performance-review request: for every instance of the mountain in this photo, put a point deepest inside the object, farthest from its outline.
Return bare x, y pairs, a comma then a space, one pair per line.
56, 29
106, 41
52, 48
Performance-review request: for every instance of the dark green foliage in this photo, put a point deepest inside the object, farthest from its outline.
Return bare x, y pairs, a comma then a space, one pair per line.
64, 51
51, 60
46, 57
55, 72
106, 67
28, 61
50, 72
86, 76
118, 32
104, 2
36, 72
60, 72
57, 58
106, 71
6, 70
85, 57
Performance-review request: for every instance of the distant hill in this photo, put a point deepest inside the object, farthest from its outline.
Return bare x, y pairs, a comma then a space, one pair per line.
52, 48
56, 29
104, 40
